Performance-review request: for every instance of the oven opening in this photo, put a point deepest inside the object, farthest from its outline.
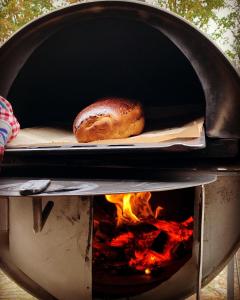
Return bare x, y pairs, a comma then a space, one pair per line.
140, 240
103, 57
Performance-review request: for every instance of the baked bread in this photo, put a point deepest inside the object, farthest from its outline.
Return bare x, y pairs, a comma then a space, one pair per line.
109, 118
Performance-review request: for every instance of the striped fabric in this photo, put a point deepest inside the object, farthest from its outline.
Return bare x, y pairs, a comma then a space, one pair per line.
9, 126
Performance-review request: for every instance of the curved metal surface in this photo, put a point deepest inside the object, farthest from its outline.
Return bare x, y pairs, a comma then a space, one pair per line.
166, 182
16, 275
220, 81
59, 260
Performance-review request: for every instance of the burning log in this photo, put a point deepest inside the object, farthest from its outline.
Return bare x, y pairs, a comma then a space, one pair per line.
138, 240
122, 240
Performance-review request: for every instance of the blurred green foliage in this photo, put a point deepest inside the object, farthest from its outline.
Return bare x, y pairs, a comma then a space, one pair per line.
197, 11
16, 13
220, 19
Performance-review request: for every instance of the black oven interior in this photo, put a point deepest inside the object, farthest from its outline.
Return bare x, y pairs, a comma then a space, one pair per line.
100, 57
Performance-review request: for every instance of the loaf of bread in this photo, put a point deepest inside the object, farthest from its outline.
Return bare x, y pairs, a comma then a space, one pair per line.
109, 118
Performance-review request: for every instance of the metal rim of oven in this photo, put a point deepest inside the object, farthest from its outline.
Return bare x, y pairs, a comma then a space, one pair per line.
9, 187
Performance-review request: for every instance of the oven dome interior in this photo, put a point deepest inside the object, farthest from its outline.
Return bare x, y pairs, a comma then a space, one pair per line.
101, 57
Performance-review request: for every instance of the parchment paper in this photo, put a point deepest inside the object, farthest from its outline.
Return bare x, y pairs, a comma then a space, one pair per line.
51, 136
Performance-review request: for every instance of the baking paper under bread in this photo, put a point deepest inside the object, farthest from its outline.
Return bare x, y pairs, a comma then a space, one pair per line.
50, 136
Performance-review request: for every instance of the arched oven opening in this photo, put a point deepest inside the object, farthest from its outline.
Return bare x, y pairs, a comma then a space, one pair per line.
107, 57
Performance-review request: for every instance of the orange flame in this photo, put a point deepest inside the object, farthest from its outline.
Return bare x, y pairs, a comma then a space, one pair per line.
133, 208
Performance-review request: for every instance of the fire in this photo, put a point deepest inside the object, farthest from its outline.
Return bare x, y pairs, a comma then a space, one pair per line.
133, 208
146, 241
176, 232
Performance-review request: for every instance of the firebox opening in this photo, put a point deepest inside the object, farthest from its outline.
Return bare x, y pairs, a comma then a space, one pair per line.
101, 57
140, 240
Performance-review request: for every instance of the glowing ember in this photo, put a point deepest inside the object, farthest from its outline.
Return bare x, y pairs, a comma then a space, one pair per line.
177, 233
147, 271
139, 239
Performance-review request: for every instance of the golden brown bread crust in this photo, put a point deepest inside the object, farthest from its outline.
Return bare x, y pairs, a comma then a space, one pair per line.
109, 118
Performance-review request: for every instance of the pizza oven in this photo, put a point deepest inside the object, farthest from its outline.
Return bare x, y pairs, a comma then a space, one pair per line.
136, 219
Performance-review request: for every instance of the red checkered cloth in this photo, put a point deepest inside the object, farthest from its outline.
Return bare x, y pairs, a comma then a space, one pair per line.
9, 126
